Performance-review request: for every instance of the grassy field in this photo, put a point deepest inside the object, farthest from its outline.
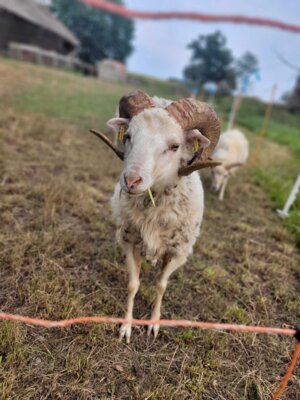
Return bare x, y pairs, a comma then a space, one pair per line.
58, 259
284, 127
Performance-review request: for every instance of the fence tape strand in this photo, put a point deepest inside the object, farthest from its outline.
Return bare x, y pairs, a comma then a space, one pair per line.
171, 323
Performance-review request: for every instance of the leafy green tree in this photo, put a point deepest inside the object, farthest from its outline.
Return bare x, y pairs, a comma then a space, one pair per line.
246, 64
102, 34
211, 61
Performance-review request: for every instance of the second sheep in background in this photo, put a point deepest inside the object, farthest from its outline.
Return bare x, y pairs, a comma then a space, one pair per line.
232, 151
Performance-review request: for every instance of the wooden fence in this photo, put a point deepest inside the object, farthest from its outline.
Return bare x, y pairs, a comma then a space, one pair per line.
40, 56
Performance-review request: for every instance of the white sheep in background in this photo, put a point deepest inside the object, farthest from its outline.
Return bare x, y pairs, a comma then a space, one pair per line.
232, 152
159, 154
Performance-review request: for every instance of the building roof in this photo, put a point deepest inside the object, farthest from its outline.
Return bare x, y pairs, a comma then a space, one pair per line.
39, 15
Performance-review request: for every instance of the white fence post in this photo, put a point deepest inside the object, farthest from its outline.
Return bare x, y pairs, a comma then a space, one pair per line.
292, 197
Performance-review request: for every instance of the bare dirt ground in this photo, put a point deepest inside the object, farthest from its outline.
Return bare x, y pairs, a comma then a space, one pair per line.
58, 259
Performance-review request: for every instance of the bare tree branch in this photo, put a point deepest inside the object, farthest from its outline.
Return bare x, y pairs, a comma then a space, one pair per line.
287, 62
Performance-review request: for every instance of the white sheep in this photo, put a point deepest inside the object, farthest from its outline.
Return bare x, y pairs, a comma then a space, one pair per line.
232, 152
163, 147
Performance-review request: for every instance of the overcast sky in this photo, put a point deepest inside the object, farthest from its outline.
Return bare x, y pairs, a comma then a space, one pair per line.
160, 46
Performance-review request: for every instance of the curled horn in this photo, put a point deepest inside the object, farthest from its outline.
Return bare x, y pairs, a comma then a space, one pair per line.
130, 105
185, 170
193, 114
133, 103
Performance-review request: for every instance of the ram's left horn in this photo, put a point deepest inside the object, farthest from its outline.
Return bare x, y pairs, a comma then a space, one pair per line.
195, 166
193, 114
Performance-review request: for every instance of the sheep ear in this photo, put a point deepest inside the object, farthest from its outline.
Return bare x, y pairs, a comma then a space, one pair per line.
116, 123
195, 135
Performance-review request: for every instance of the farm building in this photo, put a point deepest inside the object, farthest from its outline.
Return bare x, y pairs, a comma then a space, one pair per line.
30, 23
112, 70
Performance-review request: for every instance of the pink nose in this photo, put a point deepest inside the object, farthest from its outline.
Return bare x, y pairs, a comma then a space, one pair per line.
132, 180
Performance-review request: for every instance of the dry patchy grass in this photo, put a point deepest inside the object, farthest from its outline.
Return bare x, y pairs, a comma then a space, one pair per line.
58, 259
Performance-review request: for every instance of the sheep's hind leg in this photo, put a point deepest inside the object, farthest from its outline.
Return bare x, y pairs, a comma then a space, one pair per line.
169, 266
133, 260
222, 191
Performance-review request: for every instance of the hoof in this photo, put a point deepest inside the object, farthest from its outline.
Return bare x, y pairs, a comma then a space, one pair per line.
125, 332
153, 329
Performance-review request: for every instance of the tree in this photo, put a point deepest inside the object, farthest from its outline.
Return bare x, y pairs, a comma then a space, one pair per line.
246, 64
211, 61
293, 99
102, 34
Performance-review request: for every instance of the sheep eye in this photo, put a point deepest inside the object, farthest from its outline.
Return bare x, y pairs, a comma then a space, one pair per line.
174, 147
126, 137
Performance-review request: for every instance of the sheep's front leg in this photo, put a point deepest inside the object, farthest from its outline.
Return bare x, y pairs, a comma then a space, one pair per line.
169, 266
133, 261
222, 191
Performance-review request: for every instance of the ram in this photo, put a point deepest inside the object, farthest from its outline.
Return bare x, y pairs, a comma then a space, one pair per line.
232, 152
158, 202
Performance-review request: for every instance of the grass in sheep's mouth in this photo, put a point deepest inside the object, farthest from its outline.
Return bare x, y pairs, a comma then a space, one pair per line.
133, 194
58, 259
150, 194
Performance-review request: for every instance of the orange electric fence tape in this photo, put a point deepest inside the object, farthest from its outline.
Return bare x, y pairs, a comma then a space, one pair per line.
194, 16
166, 322
289, 372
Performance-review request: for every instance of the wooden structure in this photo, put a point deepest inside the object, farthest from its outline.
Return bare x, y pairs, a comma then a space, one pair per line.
29, 23
36, 55
112, 70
